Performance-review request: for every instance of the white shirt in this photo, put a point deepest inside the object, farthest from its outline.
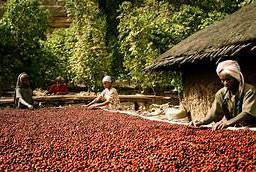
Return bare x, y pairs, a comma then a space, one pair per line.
110, 95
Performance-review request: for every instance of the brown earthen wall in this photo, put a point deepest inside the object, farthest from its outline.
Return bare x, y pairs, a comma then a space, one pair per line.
200, 86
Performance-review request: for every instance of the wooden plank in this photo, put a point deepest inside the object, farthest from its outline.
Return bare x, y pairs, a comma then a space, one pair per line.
6, 101
123, 98
62, 98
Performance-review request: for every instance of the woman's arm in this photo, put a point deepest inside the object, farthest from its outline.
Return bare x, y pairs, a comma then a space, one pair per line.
92, 102
214, 114
19, 98
236, 120
22, 101
207, 120
96, 99
239, 118
99, 105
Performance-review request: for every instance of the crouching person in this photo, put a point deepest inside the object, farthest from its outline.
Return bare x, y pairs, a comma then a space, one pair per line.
60, 88
236, 101
109, 96
23, 92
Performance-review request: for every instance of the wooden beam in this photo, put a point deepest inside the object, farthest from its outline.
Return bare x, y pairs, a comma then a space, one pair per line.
63, 98
6, 101
123, 98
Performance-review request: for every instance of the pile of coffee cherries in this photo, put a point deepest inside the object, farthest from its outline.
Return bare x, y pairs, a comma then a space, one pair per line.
77, 139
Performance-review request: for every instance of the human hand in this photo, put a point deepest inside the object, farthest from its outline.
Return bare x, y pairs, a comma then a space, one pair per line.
220, 125
30, 107
195, 123
86, 105
94, 106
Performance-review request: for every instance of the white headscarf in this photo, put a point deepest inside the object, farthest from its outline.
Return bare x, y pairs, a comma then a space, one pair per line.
107, 79
18, 83
232, 68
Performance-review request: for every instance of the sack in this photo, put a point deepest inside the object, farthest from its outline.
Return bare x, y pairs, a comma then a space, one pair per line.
176, 112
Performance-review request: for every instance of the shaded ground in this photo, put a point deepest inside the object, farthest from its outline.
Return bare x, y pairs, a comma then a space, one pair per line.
73, 138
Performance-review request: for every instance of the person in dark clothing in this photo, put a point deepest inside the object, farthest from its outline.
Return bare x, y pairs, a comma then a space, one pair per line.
23, 93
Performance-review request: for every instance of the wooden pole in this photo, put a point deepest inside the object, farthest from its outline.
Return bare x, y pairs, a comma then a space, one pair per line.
123, 98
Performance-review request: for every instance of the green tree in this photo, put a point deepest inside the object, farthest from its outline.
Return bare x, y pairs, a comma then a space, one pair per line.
26, 23
153, 28
140, 29
90, 60
110, 10
60, 44
8, 62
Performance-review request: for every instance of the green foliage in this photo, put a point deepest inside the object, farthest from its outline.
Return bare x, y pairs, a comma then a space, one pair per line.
114, 37
140, 40
188, 20
7, 60
225, 6
110, 10
150, 30
61, 44
25, 23
90, 61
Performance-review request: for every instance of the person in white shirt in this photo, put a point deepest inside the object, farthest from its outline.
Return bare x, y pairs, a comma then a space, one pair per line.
109, 96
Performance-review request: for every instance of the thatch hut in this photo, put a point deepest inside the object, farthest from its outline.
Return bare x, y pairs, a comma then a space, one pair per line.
196, 57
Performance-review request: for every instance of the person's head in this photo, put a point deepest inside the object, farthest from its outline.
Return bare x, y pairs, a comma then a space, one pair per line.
107, 82
23, 80
230, 75
59, 80
229, 82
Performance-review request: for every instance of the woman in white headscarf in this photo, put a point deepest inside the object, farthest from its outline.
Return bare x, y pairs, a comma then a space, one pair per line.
109, 96
236, 101
23, 92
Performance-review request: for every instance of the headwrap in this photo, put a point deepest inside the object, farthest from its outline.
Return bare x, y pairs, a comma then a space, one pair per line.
18, 84
232, 68
59, 79
107, 79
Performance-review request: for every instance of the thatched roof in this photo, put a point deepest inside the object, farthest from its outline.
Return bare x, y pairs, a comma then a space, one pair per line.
226, 38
